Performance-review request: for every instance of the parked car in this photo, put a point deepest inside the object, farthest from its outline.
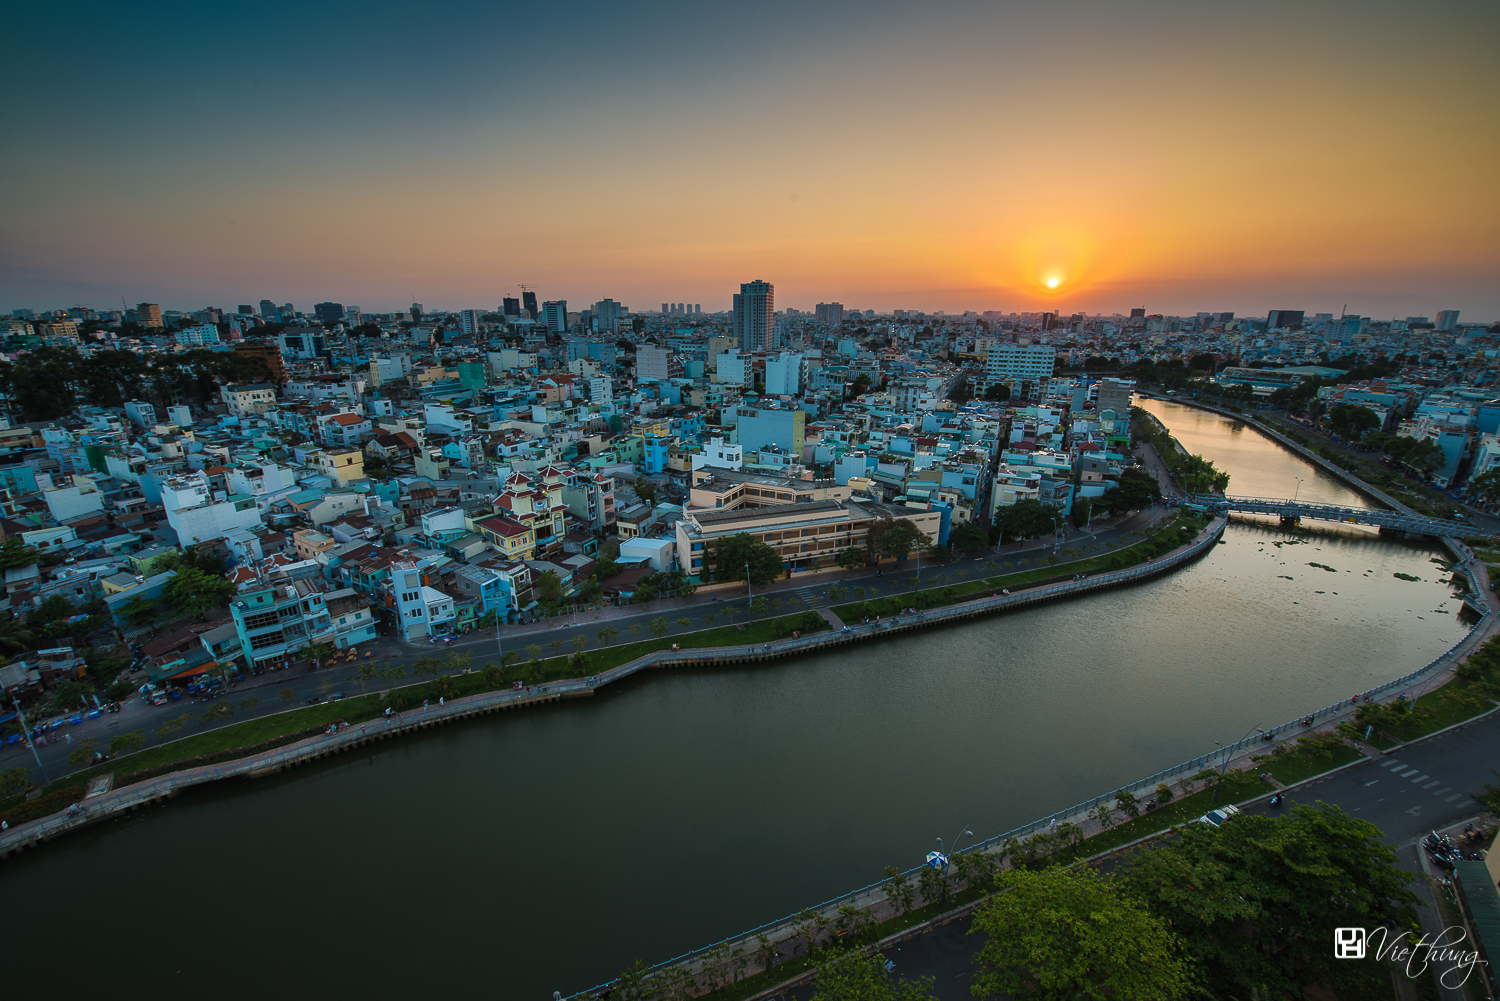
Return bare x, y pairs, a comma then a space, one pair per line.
1215, 818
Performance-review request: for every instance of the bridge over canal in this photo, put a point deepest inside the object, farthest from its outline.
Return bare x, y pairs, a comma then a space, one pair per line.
1295, 510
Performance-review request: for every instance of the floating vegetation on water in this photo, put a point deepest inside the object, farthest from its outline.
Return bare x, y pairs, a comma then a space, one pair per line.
1405, 576
1292, 542
1320, 592
1285, 577
1324, 566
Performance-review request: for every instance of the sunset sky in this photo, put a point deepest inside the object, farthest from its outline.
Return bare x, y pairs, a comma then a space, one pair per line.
1177, 156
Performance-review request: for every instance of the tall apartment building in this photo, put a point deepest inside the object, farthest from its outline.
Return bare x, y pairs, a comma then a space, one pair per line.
468, 320
1447, 319
767, 428
1024, 368
510, 307
784, 374
830, 312
755, 315
329, 312
555, 315
1289, 319
148, 314
1116, 395
528, 303
657, 363
607, 315
268, 309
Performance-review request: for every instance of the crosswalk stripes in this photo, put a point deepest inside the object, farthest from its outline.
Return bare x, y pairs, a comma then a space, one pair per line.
1446, 793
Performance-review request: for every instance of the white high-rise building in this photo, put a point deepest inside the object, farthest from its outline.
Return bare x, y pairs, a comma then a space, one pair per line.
468, 320
784, 375
555, 315
1447, 319
1025, 368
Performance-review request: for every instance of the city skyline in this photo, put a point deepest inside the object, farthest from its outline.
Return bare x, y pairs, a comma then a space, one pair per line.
1162, 154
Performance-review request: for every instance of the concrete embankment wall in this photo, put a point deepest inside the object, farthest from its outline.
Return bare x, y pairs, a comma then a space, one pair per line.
133, 797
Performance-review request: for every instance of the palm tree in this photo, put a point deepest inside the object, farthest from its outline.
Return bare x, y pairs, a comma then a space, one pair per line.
858, 593
731, 612
659, 627
635, 629
607, 634
579, 642
684, 624
556, 647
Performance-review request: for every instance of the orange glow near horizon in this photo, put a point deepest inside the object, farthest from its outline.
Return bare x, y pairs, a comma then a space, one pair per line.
1183, 189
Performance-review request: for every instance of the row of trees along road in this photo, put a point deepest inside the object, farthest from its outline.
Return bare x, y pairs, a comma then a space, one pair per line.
1244, 911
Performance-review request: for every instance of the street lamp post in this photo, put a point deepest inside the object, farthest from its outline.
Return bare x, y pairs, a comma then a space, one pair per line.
26, 731
1296, 493
749, 589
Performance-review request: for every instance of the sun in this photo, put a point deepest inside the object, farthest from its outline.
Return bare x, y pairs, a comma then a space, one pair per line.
1052, 283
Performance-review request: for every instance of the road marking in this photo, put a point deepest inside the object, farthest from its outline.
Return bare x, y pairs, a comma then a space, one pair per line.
1389, 763
1409, 774
1430, 784
1449, 799
1444, 790
1419, 778
1370, 783
1415, 811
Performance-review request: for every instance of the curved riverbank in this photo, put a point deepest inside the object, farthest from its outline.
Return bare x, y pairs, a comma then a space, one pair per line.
109, 804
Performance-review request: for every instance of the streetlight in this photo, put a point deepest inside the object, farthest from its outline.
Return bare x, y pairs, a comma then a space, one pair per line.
749, 590
1298, 490
26, 731
1225, 765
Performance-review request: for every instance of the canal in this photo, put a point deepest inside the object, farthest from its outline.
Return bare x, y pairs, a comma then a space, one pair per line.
525, 853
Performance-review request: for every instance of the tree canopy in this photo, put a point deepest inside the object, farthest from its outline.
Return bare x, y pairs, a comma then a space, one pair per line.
193, 592
1071, 933
968, 536
1256, 899
50, 381
1422, 454
857, 977
895, 538
733, 553
1137, 491
1352, 420
1027, 519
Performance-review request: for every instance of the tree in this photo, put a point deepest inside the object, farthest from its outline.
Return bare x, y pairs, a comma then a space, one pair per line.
734, 553
1254, 899
84, 752
646, 492
579, 642
899, 891
855, 976
70, 695
731, 613
968, 537
684, 624
1163, 793
365, 674
14, 782
549, 587
287, 695
1082, 508
1353, 421
16, 553
607, 635
1071, 933
247, 704
851, 558
895, 538
1027, 519
125, 743
759, 608
1136, 492
659, 627
193, 592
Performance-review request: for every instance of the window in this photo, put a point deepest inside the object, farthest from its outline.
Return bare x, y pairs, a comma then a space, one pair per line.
261, 620
265, 640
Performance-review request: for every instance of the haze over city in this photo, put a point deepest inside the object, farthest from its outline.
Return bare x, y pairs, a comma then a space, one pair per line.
1179, 156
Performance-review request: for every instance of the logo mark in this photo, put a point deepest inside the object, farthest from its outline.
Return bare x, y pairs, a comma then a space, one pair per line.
1348, 943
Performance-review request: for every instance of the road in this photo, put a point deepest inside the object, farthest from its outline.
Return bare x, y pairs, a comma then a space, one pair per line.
1422, 787
553, 636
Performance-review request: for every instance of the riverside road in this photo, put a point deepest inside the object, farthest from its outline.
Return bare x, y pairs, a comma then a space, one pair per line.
1424, 786
703, 611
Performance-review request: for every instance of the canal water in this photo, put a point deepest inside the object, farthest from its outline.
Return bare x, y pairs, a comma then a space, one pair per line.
546, 850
